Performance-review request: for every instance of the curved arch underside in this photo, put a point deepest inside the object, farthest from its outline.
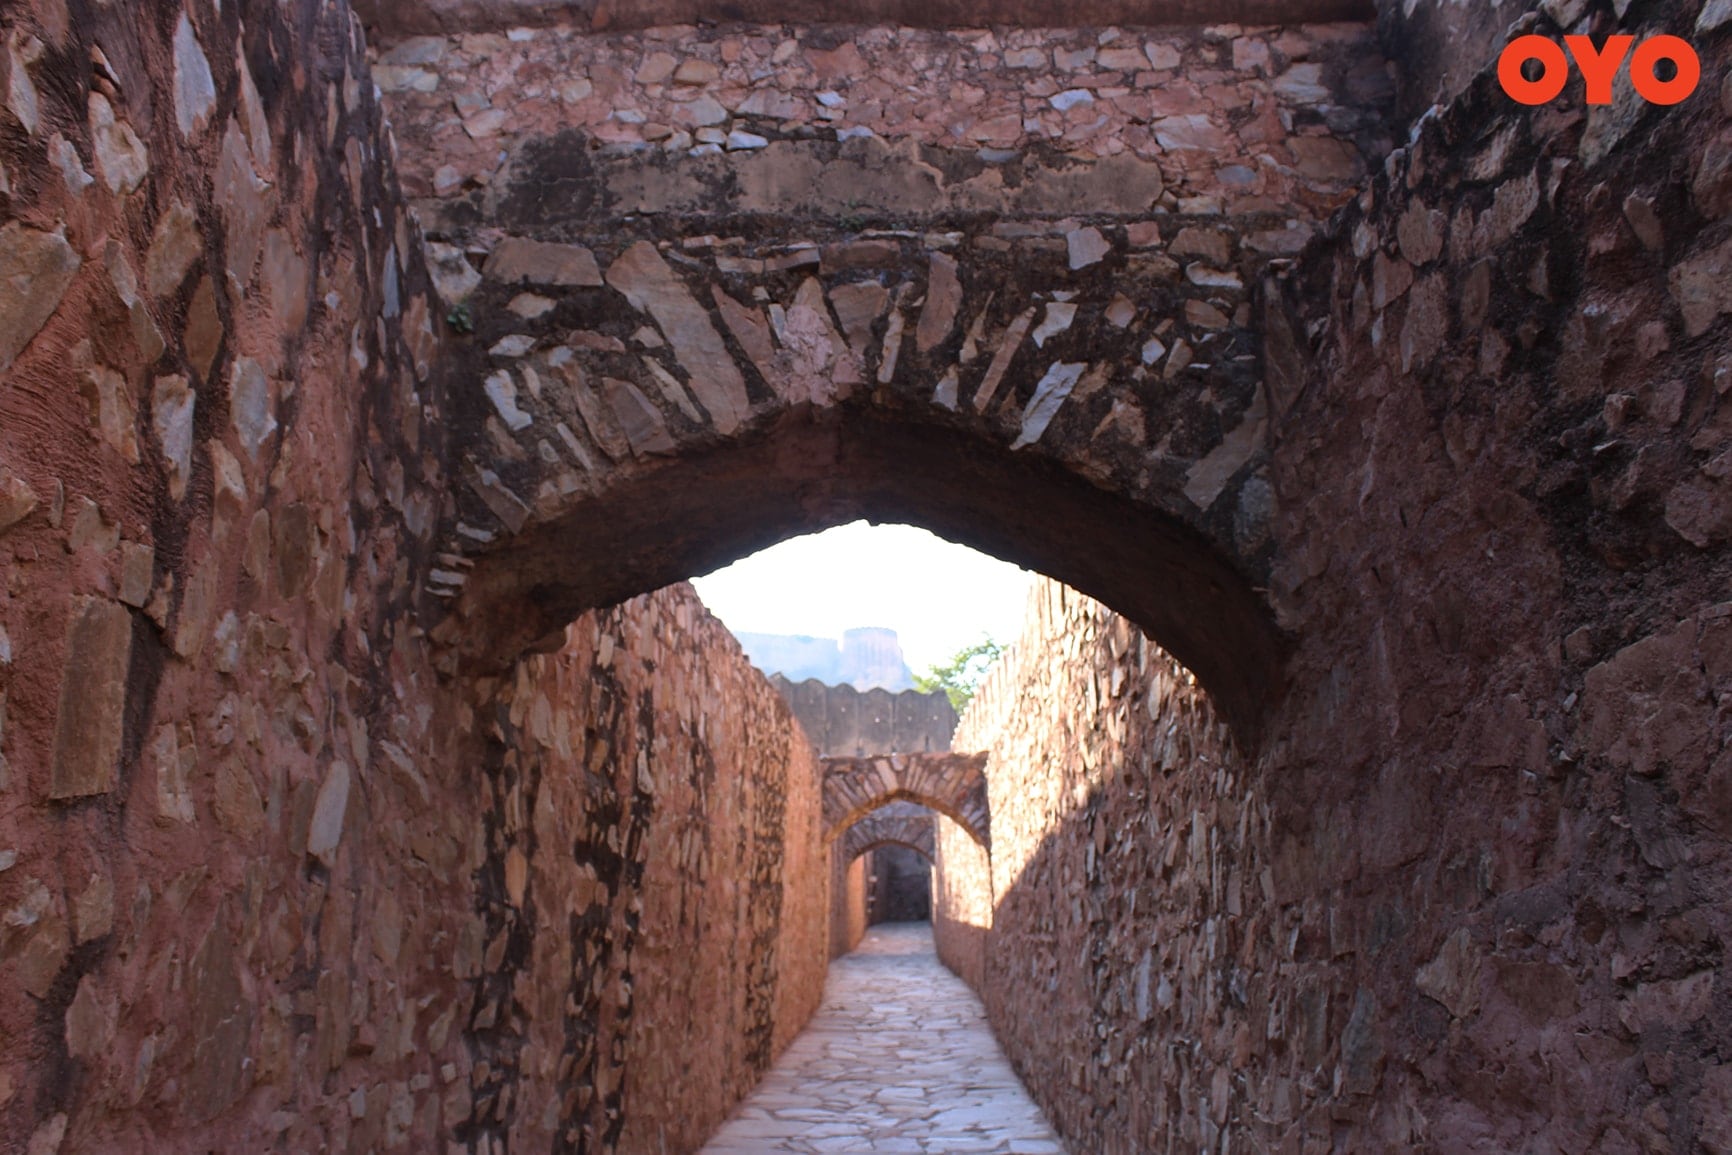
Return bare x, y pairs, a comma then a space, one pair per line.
952, 784
673, 517
887, 827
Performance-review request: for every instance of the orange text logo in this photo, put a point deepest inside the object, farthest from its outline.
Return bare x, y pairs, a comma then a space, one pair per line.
1598, 66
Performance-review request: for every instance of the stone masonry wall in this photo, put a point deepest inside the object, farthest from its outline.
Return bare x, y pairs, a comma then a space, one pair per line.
232, 873
847, 901
1484, 881
1255, 120
270, 878
395, 17
1500, 396
701, 323
660, 909
842, 720
962, 901
1128, 889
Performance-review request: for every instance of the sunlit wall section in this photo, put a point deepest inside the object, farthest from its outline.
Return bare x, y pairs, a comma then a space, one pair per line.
1128, 891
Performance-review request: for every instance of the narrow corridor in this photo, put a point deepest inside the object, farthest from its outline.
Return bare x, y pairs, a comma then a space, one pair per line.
899, 1060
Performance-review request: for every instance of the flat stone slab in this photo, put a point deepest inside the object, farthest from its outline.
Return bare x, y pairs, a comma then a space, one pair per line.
898, 1058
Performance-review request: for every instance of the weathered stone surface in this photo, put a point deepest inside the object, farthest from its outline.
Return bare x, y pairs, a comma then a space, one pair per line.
1086, 247
220, 1021
22, 99
91, 715
174, 247
111, 408
517, 260
330, 811
643, 425
1127, 146
171, 413
194, 89
651, 286
252, 408
204, 329
36, 268
1452, 978
1702, 288
121, 158
17, 499
237, 804
241, 194
89, 1024
1050, 393
858, 307
943, 299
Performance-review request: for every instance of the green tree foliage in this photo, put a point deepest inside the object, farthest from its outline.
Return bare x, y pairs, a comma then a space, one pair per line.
961, 675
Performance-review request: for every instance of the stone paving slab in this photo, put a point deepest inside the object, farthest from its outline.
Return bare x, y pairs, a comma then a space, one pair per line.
898, 1060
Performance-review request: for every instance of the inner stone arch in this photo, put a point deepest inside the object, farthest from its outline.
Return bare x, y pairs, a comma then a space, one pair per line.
952, 784
892, 826
675, 348
662, 519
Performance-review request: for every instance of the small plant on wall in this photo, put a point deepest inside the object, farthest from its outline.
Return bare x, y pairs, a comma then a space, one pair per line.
962, 674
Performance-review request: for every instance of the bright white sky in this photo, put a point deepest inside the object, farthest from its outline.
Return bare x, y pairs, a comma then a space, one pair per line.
937, 596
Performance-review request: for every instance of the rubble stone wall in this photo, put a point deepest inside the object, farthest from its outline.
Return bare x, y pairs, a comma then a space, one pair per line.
847, 901
962, 901
1260, 119
1485, 845
236, 827
1126, 893
271, 876
1500, 394
285, 864
664, 907
898, 272
394, 18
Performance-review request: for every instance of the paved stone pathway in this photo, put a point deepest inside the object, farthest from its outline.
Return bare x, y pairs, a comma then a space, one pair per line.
898, 1060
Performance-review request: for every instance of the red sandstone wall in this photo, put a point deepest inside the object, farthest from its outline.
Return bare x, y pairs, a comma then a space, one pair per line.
234, 876
399, 16
268, 878
1472, 892
961, 901
1218, 121
1129, 869
654, 821
1503, 858
848, 902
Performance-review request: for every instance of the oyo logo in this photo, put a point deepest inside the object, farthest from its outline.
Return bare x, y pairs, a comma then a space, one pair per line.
1598, 67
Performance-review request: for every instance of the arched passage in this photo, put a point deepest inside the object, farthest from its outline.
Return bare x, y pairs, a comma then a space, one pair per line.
671, 362
884, 827
952, 784
662, 518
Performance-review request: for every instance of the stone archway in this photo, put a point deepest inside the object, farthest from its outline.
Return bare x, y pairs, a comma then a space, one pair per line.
677, 352
952, 784
885, 827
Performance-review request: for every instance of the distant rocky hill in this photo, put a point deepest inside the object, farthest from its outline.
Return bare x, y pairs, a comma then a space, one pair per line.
867, 659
